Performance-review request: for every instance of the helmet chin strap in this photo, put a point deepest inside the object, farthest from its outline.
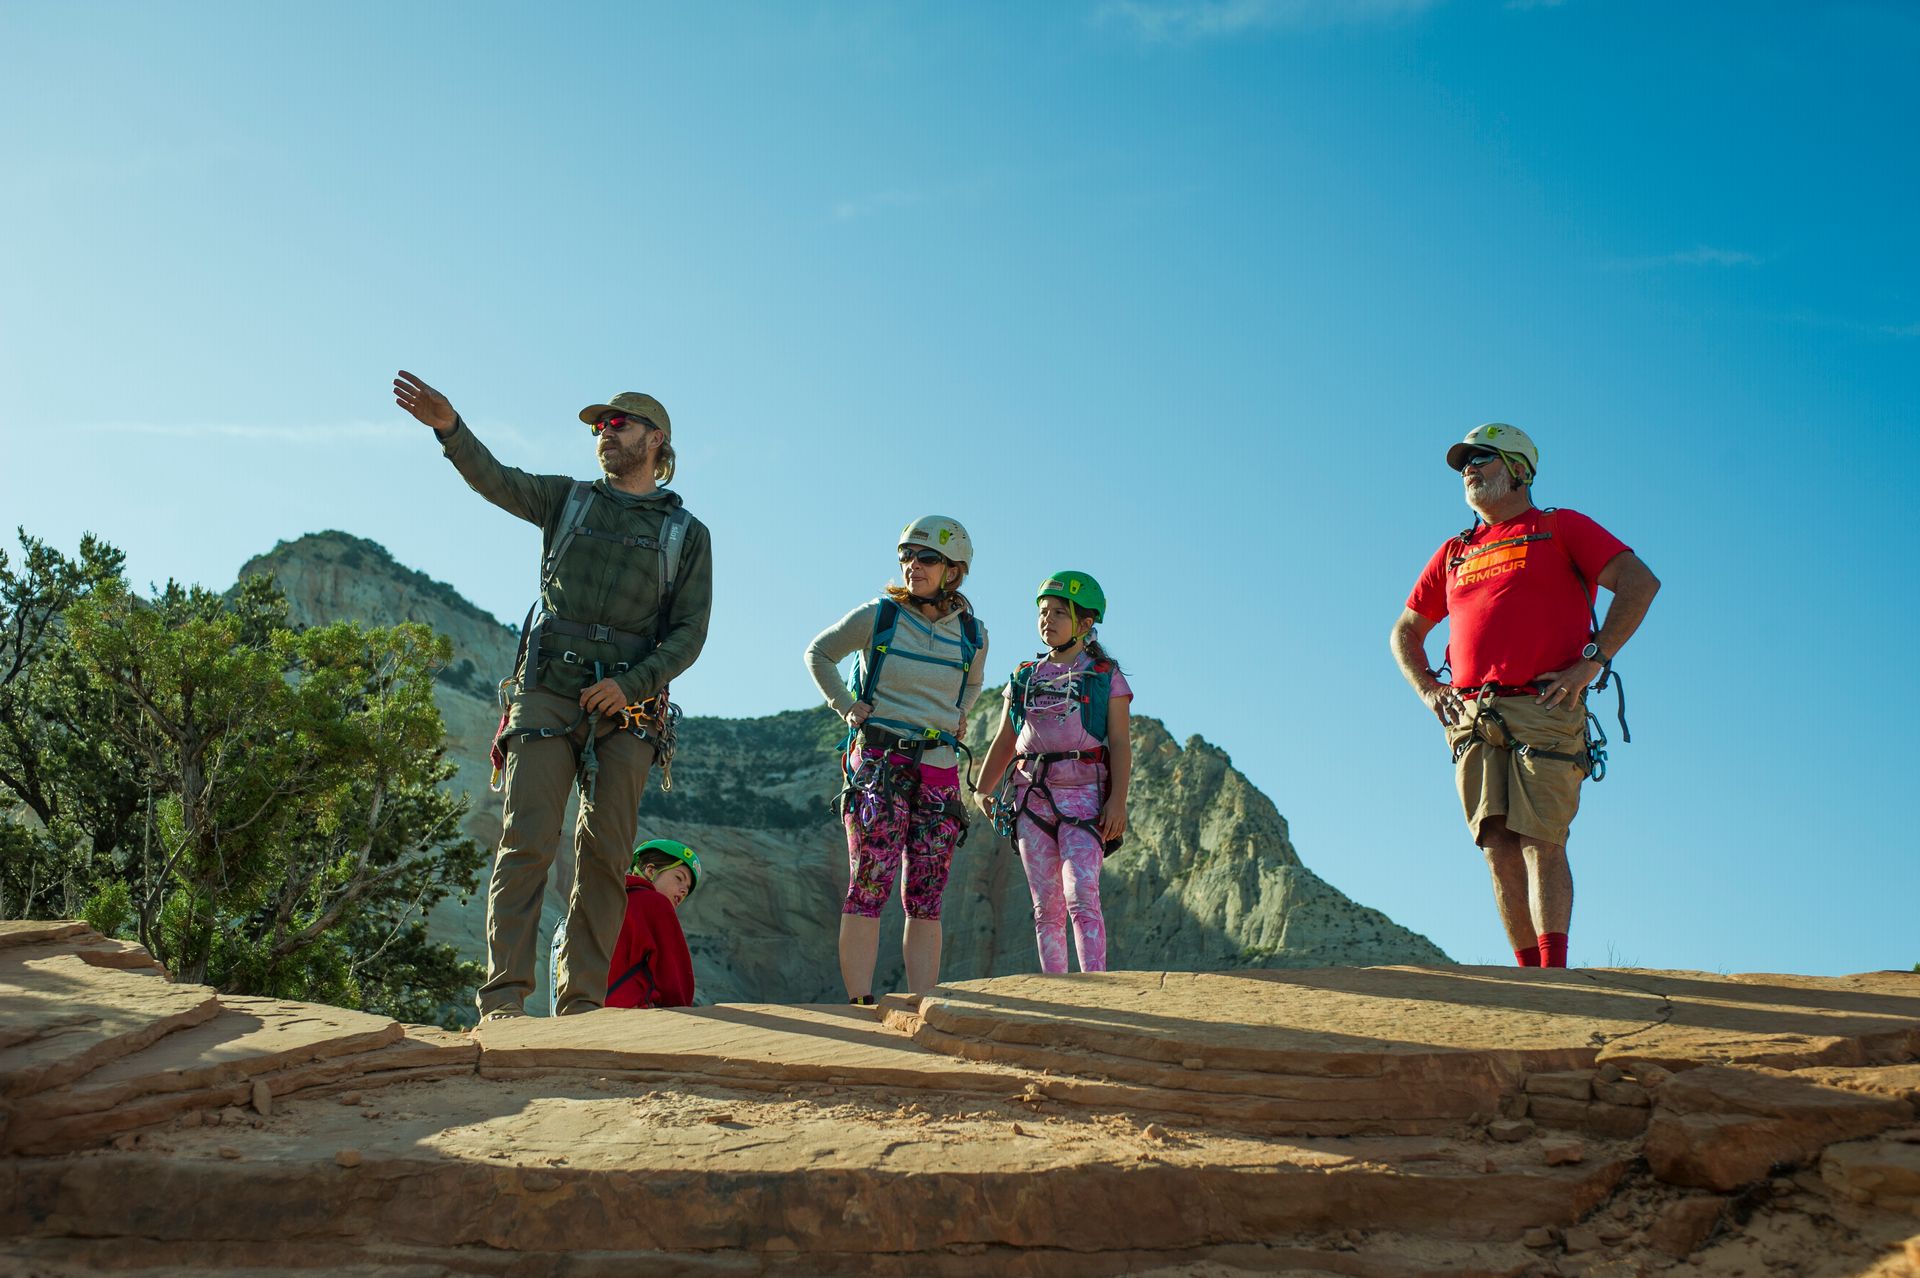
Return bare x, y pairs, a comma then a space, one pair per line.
1055, 650
941, 593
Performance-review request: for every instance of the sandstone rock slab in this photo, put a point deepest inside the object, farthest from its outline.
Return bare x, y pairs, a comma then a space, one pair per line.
62, 1016
53, 1122
1682, 1226
1719, 1128
765, 1042
16, 932
249, 1037
1765, 1019
1874, 1171
534, 1165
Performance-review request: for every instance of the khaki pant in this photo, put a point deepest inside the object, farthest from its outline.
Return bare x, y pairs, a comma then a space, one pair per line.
539, 780
1537, 796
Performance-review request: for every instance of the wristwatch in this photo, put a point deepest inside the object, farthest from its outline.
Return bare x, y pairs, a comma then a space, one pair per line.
1592, 653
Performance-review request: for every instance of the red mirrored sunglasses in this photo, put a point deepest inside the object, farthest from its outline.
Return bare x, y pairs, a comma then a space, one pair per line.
617, 422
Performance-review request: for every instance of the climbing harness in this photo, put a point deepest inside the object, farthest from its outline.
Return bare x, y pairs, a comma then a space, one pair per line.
1591, 759
655, 719
1008, 809
889, 750
889, 765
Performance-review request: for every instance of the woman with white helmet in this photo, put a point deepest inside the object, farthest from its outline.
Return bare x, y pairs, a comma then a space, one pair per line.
917, 675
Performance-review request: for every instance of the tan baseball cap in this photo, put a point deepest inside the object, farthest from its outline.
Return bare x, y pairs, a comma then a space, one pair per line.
630, 402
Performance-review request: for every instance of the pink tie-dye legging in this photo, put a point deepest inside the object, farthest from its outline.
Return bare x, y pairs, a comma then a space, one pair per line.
1064, 877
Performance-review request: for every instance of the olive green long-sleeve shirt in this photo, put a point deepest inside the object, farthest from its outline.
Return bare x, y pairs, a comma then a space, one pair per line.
601, 581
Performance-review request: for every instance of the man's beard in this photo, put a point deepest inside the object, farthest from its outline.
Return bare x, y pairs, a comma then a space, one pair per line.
1492, 487
619, 462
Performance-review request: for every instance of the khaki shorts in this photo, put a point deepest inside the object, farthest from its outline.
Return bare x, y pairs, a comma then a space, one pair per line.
1537, 796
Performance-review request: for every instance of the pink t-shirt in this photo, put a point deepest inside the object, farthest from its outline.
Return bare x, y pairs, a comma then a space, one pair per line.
1053, 724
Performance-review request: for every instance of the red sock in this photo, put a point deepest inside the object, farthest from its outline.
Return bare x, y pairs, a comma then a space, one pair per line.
1528, 957
1553, 949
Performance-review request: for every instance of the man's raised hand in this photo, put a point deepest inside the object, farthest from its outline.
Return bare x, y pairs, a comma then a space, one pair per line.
424, 402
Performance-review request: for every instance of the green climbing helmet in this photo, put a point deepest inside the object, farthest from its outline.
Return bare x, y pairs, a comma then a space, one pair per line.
678, 851
1078, 589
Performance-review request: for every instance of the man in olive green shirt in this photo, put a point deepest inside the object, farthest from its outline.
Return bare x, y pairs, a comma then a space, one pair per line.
605, 634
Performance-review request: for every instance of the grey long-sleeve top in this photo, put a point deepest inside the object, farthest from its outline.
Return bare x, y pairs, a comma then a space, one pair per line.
912, 690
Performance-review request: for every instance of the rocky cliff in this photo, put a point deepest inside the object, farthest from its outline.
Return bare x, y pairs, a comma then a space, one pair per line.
1208, 880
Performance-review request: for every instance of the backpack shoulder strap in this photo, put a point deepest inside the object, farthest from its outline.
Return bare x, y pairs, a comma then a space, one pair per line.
969, 649
1093, 710
1550, 521
1017, 693
673, 540
867, 677
572, 515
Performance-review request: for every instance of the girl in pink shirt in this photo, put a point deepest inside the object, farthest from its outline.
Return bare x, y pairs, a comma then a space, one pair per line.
1065, 734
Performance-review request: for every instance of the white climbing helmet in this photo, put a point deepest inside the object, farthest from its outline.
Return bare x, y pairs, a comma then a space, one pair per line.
937, 532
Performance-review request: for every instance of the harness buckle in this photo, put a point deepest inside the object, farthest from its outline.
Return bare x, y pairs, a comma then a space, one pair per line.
572, 658
599, 633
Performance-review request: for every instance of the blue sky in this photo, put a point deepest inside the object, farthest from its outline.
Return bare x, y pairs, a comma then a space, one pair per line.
1189, 295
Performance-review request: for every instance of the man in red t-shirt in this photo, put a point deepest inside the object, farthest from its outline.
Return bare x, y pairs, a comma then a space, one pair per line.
1520, 587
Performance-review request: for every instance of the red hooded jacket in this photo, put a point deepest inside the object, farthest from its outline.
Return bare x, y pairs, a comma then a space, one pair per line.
651, 966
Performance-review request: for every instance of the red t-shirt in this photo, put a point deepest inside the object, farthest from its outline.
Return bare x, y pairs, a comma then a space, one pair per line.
1518, 609
651, 966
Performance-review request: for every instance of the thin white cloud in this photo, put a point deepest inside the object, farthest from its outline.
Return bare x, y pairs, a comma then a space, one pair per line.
292, 433
1180, 21
1702, 255
404, 431
867, 206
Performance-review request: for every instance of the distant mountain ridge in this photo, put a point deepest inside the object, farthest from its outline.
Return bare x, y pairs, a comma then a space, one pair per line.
1208, 880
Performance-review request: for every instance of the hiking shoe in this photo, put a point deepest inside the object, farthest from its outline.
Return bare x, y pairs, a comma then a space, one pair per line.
864, 1000
502, 1014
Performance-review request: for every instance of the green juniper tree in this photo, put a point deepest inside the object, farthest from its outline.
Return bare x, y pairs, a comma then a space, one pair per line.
69, 803
258, 805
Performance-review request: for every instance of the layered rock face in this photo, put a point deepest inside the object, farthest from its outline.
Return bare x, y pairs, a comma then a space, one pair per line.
1386, 1122
1208, 879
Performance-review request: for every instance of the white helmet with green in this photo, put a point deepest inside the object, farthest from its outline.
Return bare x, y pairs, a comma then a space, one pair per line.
937, 532
1497, 437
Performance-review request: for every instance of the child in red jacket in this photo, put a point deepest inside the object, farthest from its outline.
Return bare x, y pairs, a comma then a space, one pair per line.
651, 966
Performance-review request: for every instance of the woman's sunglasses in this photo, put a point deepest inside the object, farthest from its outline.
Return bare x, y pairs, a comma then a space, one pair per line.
909, 555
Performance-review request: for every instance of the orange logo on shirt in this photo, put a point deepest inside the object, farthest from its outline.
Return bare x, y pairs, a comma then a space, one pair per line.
1495, 559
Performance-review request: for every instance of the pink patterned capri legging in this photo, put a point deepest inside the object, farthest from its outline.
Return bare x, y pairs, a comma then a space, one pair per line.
1064, 876
914, 825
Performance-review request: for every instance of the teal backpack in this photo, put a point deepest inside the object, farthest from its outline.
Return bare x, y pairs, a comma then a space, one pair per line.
885, 622
1095, 688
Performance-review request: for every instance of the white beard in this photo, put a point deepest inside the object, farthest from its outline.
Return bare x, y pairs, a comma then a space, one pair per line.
1493, 487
